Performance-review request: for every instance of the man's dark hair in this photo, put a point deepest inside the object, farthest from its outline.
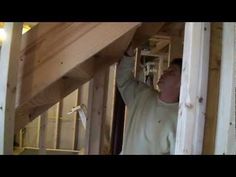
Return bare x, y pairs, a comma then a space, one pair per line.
177, 61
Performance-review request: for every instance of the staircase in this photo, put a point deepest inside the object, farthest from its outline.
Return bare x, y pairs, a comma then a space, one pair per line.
57, 58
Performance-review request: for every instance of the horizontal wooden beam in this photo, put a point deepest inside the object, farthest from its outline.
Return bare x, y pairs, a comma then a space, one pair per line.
146, 31
160, 45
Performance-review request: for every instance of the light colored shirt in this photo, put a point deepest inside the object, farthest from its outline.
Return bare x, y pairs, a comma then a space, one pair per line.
151, 123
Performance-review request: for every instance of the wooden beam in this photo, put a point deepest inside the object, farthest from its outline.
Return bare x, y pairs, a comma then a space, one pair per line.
42, 133
145, 32
97, 97
8, 72
176, 47
75, 122
82, 46
21, 139
71, 71
108, 112
83, 99
56, 132
193, 93
213, 88
160, 45
225, 131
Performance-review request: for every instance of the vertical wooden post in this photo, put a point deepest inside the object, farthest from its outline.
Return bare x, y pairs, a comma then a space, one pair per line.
55, 140
226, 131
21, 139
97, 97
193, 93
75, 135
213, 88
108, 112
137, 62
83, 133
8, 72
42, 133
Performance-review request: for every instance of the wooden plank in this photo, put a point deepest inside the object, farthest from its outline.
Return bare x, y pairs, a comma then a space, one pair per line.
8, 71
78, 51
227, 90
58, 113
55, 150
83, 99
66, 136
75, 116
76, 122
21, 139
96, 116
109, 111
213, 88
160, 45
81, 68
42, 133
137, 61
193, 93
147, 30
176, 47
89, 114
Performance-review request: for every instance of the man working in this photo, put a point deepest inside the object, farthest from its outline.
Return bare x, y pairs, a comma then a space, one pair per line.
152, 116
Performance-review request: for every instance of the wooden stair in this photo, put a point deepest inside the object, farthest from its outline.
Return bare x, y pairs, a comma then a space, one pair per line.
57, 58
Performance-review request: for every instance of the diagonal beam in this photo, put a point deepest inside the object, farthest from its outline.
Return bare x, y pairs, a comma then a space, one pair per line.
76, 69
50, 70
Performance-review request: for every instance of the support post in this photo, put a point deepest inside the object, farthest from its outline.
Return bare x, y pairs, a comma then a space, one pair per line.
193, 93
8, 71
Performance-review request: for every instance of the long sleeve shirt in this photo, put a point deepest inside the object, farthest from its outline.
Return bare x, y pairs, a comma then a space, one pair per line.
151, 123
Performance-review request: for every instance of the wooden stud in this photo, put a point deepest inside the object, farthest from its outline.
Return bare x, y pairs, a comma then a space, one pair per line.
226, 110
21, 139
8, 80
75, 123
82, 132
193, 93
96, 105
42, 133
213, 88
58, 114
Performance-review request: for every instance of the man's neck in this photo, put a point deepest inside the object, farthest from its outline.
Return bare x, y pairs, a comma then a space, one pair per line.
168, 97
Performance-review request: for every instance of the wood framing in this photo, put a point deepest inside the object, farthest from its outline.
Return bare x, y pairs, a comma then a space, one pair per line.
108, 112
75, 123
83, 100
97, 101
225, 141
8, 71
56, 131
213, 88
176, 47
193, 94
72, 58
42, 133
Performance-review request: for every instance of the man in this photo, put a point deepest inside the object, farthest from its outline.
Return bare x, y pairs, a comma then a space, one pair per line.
152, 116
